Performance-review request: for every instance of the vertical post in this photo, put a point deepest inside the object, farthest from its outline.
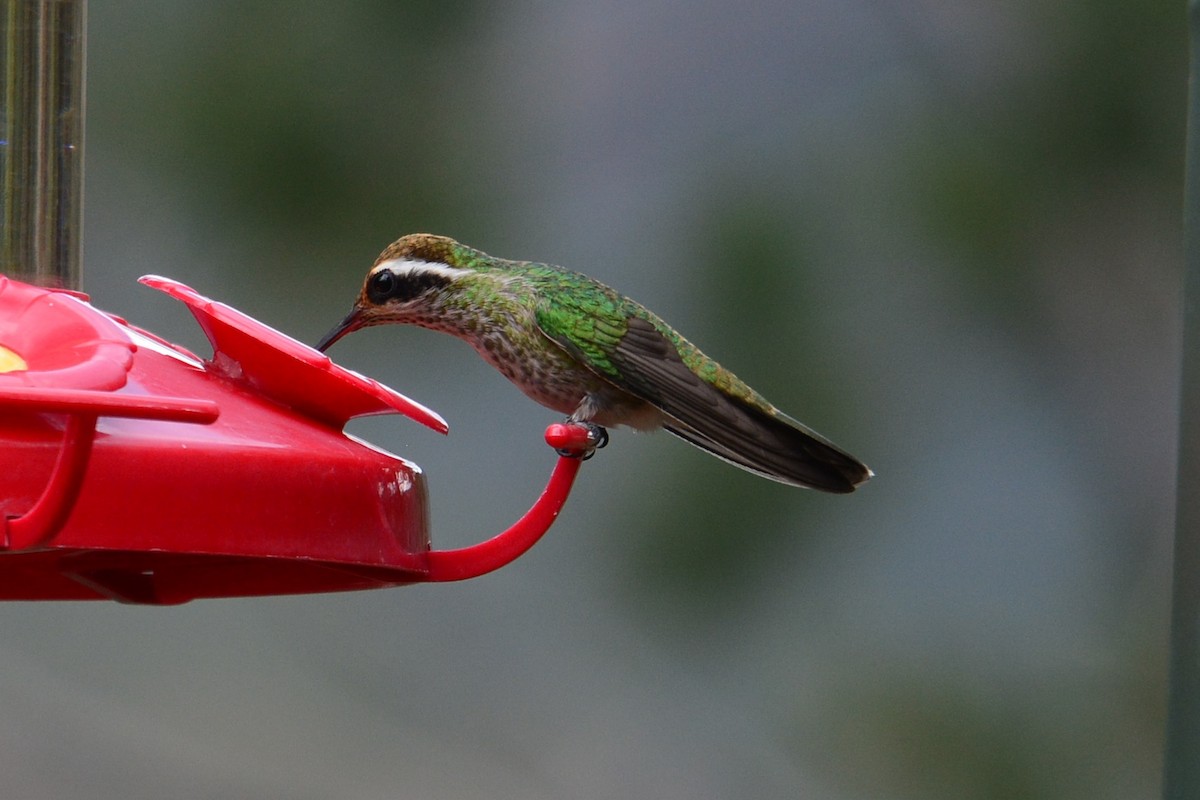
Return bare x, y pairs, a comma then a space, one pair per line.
42, 52
1181, 768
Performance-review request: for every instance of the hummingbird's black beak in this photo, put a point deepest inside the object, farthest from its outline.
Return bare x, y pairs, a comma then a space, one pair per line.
351, 323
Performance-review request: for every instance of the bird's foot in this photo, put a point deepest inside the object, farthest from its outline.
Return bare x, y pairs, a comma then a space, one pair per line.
597, 437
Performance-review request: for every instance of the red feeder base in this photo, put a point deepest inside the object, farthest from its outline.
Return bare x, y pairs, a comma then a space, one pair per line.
134, 471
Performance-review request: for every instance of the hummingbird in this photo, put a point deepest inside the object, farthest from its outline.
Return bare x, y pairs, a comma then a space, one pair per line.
580, 348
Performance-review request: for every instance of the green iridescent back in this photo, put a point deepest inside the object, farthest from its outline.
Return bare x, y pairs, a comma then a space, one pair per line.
593, 317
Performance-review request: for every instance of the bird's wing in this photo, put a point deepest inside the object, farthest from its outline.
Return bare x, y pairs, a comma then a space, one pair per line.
643, 361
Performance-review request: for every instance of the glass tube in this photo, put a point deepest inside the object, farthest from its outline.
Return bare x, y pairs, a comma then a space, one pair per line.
42, 52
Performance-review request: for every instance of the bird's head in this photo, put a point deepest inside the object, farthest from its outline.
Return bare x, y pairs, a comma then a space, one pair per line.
407, 284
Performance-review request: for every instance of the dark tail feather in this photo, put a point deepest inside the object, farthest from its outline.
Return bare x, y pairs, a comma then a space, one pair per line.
746, 432
778, 448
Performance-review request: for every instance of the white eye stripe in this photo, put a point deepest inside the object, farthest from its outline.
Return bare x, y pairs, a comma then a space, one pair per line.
406, 266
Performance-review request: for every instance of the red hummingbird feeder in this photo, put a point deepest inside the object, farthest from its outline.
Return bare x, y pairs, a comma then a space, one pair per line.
136, 471
131, 469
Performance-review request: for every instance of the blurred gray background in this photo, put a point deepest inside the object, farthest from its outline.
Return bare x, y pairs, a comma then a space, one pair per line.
945, 234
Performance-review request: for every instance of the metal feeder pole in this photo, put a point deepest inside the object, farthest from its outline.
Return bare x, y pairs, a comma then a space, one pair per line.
41, 140
1181, 769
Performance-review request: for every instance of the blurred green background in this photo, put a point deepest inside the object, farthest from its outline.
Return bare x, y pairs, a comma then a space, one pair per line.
947, 235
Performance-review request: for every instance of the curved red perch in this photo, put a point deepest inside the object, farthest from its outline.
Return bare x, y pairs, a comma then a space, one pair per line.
482, 558
485, 557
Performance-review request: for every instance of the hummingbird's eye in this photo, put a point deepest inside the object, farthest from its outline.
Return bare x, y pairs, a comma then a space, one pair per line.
383, 284
406, 284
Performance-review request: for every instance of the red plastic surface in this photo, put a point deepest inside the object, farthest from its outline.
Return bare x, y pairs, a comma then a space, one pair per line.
132, 471
287, 371
63, 341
